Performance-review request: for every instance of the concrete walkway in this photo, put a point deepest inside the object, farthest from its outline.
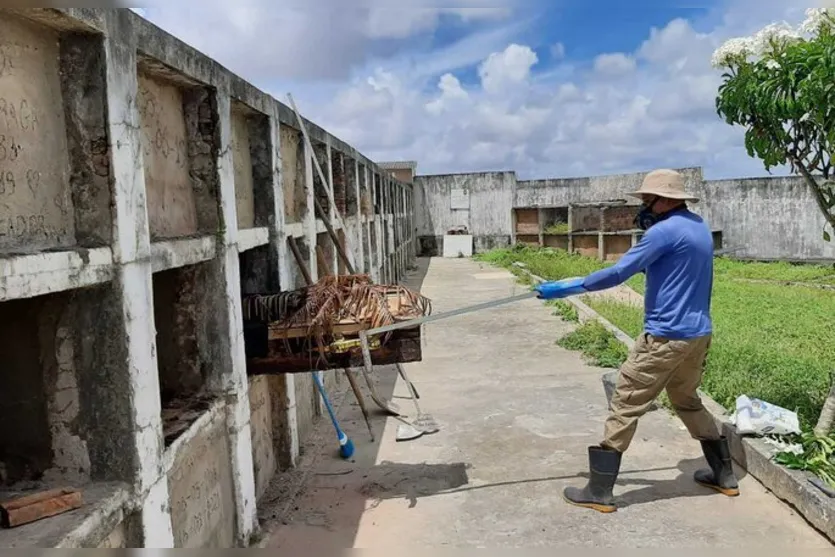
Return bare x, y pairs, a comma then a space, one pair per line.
517, 413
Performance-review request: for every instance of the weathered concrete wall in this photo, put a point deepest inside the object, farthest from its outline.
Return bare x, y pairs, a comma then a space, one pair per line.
562, 191
161, 187
760, 218
487, 217
766, 218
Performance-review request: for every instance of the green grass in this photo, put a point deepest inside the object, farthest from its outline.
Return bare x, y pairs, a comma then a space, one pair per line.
778, 271
600, 347
557, 228
771, 341
564, 310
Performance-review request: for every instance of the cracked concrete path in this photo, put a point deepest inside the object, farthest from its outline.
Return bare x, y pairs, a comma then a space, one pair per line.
517, 413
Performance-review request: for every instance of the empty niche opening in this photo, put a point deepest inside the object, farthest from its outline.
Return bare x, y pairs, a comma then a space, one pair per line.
555, 220
54, 166
251, 154
378, 194
259, 279
62, 404
293, 174
187, 359
180, 145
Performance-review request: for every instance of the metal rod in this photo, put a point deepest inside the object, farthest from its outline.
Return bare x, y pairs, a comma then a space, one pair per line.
448, 314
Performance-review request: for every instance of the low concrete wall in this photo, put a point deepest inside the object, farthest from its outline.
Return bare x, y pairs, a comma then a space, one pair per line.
481, 202
766, 218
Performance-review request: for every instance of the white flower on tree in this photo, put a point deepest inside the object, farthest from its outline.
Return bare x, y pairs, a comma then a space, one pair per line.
817, 18
774, 36
733, 50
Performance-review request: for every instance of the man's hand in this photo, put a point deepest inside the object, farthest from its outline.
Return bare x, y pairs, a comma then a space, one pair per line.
560, 288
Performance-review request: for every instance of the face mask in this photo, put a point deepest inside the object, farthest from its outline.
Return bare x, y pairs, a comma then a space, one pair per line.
646, 218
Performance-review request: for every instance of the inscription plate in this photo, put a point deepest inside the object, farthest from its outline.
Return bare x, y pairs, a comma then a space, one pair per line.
171, 206
200, 489
459, 199
263, 450
242, 162
35, 204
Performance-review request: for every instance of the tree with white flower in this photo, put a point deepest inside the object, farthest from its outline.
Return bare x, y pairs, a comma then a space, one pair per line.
780, 86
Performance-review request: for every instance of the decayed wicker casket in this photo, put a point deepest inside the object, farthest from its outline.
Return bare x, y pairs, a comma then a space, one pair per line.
317, 327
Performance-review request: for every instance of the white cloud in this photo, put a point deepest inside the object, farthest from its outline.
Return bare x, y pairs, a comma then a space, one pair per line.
614, 64
307, 40
509, 68
623, 111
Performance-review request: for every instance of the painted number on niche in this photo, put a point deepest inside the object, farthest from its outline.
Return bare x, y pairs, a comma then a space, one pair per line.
7, 182
17, 115
9, 148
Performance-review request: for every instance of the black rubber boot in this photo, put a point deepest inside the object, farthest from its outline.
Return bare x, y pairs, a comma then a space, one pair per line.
604, 465
720, 476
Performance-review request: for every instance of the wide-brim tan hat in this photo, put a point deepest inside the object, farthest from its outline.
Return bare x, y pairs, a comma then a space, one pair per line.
665, 183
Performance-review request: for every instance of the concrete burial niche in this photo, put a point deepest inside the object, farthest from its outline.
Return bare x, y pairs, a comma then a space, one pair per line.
293, 171
172, 210
61, 412
180, 146
242, 162
54, 169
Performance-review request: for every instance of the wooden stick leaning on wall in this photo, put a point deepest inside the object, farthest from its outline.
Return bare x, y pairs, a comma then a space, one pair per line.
328, 190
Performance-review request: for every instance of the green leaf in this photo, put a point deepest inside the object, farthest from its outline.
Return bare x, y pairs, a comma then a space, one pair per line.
826, 236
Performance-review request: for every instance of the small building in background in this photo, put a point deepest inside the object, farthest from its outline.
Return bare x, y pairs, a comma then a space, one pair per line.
401, 170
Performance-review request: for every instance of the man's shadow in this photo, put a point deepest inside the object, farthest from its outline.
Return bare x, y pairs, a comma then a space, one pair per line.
659, 490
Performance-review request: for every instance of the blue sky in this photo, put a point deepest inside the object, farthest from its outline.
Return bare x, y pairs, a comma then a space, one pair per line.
560, 88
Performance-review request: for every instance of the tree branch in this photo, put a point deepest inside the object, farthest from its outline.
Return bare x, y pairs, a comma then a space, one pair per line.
816, 188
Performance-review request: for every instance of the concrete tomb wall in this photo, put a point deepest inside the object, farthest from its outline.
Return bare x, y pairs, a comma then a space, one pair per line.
143, 190
768, 218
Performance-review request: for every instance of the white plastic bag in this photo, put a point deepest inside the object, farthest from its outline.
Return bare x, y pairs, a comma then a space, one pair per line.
756, 417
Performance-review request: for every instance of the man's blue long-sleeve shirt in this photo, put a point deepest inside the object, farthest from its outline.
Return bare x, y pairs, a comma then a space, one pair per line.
677, 255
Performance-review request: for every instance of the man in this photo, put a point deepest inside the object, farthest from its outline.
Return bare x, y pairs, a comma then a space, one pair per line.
676, 253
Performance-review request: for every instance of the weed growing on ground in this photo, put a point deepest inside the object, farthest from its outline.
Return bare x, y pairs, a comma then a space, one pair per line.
600, 347
564, 310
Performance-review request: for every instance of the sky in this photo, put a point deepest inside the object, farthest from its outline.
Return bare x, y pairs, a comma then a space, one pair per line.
548, 88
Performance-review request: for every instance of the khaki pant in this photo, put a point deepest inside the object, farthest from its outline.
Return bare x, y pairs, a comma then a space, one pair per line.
654, 364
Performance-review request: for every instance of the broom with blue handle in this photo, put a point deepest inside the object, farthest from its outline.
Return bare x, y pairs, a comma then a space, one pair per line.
346, 446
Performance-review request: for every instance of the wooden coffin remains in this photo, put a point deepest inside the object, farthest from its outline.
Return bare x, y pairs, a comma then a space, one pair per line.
302, 340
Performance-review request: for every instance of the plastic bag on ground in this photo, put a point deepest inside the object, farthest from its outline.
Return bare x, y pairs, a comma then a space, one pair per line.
757, 417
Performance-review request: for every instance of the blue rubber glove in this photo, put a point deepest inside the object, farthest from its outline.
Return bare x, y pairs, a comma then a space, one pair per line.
560, 288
